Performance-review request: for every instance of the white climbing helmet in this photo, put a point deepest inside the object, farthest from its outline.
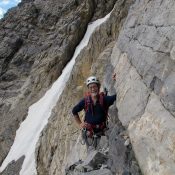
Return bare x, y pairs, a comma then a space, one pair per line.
92, 79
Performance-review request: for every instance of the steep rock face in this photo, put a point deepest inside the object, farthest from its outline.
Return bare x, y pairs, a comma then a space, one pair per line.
139, 48
143, 58
37, 40
60, 135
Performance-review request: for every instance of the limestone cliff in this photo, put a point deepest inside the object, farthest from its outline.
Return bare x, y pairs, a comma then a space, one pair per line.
39, 37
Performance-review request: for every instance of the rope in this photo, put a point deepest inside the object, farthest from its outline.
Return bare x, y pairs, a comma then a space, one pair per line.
86, 139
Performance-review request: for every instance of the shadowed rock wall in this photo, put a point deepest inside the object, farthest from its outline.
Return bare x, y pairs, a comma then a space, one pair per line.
136, 42
38, 38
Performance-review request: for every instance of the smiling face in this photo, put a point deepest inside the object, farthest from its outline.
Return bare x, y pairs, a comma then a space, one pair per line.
93, 89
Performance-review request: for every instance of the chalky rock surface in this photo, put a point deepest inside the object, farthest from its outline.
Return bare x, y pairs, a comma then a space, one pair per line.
136, 42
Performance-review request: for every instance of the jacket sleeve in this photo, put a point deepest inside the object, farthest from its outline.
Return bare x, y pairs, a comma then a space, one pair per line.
110, 100
79, 107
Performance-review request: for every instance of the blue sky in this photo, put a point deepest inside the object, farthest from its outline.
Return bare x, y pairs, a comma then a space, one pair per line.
6, 4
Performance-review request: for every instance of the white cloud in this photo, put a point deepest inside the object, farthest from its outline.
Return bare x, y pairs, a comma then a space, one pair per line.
18, 1
2, 11
5, 1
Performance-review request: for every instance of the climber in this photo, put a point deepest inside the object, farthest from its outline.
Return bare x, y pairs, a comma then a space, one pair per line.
95, 105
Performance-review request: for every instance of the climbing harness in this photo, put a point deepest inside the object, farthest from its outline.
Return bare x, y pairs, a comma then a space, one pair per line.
89, 139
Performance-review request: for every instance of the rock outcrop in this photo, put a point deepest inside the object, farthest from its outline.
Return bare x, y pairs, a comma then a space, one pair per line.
61, 134
38, 38
144, 62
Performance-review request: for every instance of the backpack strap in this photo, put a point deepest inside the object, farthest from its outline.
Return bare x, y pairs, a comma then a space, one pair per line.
89, 106
88, 103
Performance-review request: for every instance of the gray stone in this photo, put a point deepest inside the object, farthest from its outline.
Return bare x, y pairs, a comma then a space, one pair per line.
168, 92
117, 151
99, 172
94, 172
95, 159
103, 145
14, 167
132, 92
172, 53
152, 137
147, 38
